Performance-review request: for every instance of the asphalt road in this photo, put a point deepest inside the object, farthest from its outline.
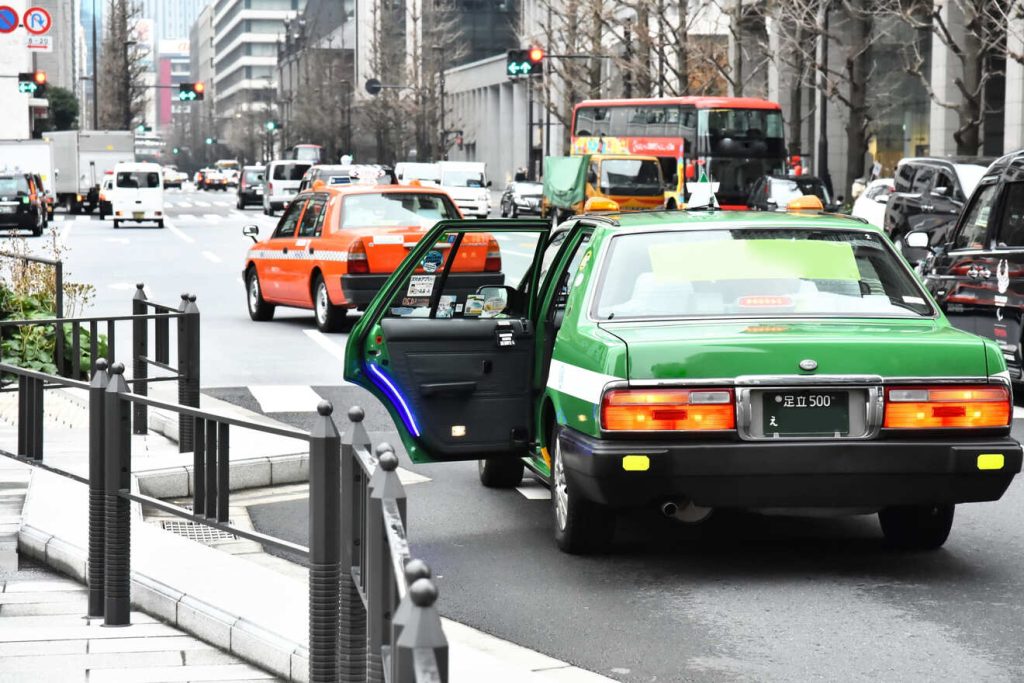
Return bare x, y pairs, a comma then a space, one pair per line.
741, 598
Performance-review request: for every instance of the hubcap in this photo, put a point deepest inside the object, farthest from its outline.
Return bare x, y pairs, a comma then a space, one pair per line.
561, 489
254, 292
321, 302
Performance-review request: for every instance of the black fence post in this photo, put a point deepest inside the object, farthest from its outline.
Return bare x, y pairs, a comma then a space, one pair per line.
353, 614
140, 352
117, 437
97, 501
324, 547
188, 367
414, 570
380, 582
58, 305
30, 417
423, 631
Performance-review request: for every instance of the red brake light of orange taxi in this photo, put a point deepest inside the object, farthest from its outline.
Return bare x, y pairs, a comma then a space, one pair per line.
947, 407
493, 261
357, 261
668, 410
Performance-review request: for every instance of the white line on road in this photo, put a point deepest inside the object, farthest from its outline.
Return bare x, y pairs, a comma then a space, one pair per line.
214, 217
326, 344
210, 256
513, 252
65, 232
283, 398
1018, 412
534, 491
198, 202
176, 231
183, 204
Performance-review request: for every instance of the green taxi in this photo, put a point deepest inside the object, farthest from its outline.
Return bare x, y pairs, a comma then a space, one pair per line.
688, 361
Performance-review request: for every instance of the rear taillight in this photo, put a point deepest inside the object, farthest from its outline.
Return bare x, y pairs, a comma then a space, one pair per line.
946, 407
493, 262
668, 410
270, 188
357, 263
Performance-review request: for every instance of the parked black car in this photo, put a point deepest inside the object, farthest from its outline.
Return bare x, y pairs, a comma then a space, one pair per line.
521, 197
977, 275
250, 186
774, 192
928, 195
22, 203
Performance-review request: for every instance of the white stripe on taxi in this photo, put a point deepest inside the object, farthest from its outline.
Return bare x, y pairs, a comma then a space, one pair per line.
573, 380
300, 255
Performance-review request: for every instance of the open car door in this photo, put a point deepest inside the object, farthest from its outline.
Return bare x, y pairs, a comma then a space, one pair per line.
447, 345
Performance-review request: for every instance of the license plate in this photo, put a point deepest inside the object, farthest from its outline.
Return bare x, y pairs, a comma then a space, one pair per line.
806, 412
259, 190
138, 215
8, 209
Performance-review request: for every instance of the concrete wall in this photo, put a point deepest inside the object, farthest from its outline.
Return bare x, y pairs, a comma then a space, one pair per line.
14, 58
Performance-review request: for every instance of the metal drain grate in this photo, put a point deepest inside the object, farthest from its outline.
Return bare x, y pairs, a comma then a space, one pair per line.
197, 532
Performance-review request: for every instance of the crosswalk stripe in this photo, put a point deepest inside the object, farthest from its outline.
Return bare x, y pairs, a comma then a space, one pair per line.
199, 202
284, 398
1018, 412
214, 217
183, 204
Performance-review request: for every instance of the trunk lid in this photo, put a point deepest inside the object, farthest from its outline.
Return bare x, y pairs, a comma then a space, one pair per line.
386, 248
726, 349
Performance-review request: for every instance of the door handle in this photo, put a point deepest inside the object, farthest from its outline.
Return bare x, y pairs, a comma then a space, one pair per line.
448, 388
927, 207
285, 250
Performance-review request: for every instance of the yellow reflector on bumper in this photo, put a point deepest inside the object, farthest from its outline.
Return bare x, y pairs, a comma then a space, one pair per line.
636, 463
990, 461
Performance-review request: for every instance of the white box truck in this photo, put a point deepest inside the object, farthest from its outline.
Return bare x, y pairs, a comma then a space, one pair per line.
28, 156
81, 159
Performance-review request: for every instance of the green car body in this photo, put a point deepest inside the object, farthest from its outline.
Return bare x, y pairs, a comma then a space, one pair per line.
568, 357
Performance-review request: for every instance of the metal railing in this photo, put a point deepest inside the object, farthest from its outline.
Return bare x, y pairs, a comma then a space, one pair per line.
185, 371
58, 286
371, 606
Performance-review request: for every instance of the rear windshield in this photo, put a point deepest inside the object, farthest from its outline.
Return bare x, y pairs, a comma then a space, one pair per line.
253, 177
138, 179
290, 171
462, 178
13, 185
635, 177
756, 273
395, 209
785, 190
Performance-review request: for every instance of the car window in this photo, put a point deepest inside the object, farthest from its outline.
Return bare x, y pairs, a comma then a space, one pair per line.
1011, 223
138, 179
636, 177
290, 218
904, 177
944, 180
313, 218
975, 223
252, 177
550, 252
923, 180
786, 272
292, 171
13, 185
395, 209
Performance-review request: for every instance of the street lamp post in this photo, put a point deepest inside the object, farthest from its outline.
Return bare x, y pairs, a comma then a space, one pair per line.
95, 74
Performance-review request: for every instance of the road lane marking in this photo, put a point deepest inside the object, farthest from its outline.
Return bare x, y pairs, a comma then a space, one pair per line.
65, 232
183, 204
214, 217
534, 491
326, 344
513, 252
199, 202
178, 233
1018, 412
285, 398
210, 256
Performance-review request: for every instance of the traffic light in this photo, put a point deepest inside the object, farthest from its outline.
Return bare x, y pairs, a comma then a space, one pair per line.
524, 62
190, 92
175, 150
272, 126
211, 141
143, 128
32, 83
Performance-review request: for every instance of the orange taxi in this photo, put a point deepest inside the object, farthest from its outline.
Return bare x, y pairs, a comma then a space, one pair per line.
335, 246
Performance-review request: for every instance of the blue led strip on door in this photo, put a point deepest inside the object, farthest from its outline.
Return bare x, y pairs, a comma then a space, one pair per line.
385, 384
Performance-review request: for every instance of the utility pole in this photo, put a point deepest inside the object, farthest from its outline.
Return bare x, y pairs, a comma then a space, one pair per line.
95, 74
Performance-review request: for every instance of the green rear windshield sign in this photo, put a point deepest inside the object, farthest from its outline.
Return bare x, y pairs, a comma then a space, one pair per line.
754, 259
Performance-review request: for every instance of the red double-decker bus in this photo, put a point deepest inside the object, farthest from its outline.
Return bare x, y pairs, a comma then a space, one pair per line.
733, 140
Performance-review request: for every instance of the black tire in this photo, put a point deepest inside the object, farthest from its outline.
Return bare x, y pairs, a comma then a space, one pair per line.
504, 211
259, 309
582, 527
329, 318
514, 212
671, 205
500, 473
917, 527
239, 204
160, 224
270, 210
117, 224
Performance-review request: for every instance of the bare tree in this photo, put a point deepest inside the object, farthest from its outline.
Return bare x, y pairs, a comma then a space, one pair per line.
384, 117
122, 65
974, 32
437, 39
322, 112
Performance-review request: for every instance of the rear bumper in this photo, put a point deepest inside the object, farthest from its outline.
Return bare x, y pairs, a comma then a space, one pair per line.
22, 221
790, 474
359, 290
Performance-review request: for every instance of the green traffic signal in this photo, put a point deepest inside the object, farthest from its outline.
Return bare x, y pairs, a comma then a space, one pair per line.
271, 125
524, 62
175, 150
209, 141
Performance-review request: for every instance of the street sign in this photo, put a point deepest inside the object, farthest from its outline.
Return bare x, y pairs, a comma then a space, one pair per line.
8, 19
39, 43
37, 21
373, 86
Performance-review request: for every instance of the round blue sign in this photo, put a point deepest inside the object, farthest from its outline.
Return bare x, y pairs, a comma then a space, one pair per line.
432, 261
8, 19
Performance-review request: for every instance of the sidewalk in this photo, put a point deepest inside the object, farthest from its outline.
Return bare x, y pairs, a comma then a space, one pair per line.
256, 611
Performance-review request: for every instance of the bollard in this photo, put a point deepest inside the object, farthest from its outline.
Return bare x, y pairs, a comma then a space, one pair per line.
199, 467
188, 367
353, 614
30, 417
211, 469
140, 351
97, 500
414, 570
421, 632
324, 547
117, 473
379, 581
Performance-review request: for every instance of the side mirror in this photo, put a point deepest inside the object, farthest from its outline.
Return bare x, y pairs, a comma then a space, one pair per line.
917, 240
251, 231
489, 183
772, 203
499, 299
941, 191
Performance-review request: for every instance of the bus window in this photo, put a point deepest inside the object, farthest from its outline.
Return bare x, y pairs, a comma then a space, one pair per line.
592, 121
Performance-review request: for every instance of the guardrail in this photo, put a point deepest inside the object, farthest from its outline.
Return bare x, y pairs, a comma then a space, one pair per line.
185, 371
58, 286
371, 605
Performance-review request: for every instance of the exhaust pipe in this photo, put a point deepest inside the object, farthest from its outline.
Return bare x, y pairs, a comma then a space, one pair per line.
685, 511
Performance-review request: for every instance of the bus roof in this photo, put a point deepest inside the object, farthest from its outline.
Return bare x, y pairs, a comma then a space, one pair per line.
698, 102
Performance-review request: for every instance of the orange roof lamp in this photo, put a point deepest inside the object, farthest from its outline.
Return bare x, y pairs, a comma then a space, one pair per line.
807, 202
600, 204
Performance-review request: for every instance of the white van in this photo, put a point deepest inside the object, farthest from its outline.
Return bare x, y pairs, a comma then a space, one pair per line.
466, 182
137, 194
282, 179
426, 174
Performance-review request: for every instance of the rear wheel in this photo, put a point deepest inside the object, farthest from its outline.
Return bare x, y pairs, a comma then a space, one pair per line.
581, 526
160, 224
259, 309
117, 224
917, 527
500, 473
329, 317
